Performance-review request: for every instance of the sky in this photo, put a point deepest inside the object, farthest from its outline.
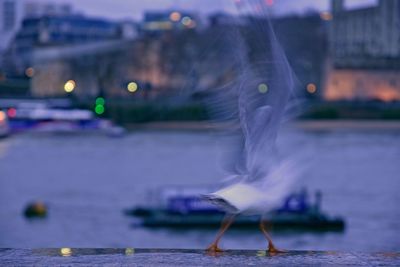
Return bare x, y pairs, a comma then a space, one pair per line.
133, 9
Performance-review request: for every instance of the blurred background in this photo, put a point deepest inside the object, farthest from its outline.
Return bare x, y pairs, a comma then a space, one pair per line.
105, 131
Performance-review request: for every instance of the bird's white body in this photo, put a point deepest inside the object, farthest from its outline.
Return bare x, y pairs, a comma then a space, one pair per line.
241, 198
260, 197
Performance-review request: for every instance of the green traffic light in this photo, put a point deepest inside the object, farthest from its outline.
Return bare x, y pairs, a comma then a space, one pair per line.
99, 109
100, 101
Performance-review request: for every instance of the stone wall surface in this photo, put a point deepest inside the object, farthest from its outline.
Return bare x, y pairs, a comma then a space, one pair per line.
171, 257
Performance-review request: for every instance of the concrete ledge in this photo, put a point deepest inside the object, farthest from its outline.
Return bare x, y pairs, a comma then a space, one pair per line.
179, 257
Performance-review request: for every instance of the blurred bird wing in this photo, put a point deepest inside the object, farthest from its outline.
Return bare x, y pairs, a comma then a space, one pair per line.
255, 101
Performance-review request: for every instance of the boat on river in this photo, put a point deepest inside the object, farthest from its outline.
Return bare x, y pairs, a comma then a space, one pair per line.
40, 118
4, 127
184, 208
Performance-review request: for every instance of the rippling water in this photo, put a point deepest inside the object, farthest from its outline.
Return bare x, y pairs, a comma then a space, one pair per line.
87, 180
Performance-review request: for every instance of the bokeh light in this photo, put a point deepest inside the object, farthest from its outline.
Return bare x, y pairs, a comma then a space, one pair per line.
100, 101
132, 87
99, 109
326, 16
66, 252
2, 116
175, 16
263, 88
311, 88
261, 253
30, 72
69, 86
129, 251
187, 21
12, 112
269, 2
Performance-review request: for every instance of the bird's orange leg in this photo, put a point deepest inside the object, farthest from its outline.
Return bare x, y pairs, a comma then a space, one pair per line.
271, 246
227, 221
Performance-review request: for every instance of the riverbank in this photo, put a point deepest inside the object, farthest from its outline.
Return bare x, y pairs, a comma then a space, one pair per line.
179, 257
126, 112
312, 125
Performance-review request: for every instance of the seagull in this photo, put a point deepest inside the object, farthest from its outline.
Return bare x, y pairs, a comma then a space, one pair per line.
256, 102
243, 198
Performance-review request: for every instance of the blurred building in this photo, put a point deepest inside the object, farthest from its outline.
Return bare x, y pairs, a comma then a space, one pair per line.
193, 62
128, 29
365, 52
56, 30
39, 9
145, 67
9, 19
156, 22
88, 69
363, 37
305, 42
12, 13
220, 18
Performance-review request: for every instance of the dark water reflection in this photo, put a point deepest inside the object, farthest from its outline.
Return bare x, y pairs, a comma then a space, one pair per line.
88, 180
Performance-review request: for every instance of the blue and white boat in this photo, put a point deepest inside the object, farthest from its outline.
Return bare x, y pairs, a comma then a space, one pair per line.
4, 126
185, 208
52, 120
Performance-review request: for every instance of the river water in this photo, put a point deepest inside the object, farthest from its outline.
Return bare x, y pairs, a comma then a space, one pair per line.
87, 181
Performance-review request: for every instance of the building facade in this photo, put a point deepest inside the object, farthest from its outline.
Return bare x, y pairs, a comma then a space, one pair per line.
13, 12
364, 52
55, 30
34, 9
9, 20
8, 11
177, 61
156, 22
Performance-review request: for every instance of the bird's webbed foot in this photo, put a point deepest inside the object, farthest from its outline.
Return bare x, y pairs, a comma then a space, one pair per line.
214, 248
273, 250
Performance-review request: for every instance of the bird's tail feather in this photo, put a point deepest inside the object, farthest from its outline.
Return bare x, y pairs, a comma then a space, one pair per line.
220, 203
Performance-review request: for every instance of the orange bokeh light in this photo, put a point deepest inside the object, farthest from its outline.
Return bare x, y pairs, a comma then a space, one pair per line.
175, 16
